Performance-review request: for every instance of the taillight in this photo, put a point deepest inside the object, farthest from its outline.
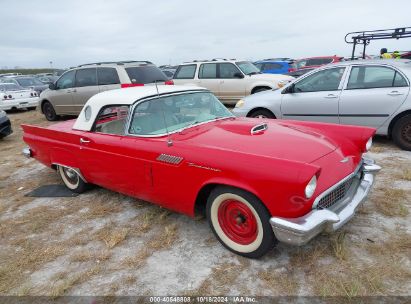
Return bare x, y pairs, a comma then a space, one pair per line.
10, 96
129, 85
5, 97
169, 82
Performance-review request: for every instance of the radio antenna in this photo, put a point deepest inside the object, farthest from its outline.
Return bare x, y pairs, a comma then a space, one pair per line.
169, 141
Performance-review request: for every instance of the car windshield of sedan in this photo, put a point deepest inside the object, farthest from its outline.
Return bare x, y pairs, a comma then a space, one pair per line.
9, 87
26, 82
161, 115
248, 68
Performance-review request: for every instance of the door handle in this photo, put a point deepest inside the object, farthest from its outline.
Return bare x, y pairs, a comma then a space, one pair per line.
74, 91
331, 96
395, 93
84, 141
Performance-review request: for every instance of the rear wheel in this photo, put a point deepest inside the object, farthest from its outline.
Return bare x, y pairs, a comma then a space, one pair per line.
240, 222
262, 114
401, 133
72, 179
49, 111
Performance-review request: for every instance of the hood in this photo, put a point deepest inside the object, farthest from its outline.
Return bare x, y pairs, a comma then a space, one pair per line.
271, 77
277, 141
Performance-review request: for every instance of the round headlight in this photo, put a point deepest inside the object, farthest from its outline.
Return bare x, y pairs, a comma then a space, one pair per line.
368, 145
239, 103
311, 186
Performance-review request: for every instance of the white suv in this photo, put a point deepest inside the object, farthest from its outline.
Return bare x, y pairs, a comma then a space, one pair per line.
230, 80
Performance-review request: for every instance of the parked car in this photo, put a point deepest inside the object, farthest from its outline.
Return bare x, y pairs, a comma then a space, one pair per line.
5, 125
27, 82
14, 97
46, 78
229, 80
270, 66
406, 55
71, 91
298, 73
179, 147
365, 93
314, 62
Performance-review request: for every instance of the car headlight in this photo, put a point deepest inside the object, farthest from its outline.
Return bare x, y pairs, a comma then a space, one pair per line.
368, 145
2, 114
282, 83
311, 186
239, 103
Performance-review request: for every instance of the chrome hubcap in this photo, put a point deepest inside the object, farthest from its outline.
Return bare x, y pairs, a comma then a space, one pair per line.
71, 175
406, 132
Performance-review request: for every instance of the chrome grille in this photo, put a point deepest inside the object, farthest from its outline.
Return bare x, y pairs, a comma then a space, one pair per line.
335, 195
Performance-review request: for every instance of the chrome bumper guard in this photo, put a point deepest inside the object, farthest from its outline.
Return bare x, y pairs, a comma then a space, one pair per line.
27, 152
299, 231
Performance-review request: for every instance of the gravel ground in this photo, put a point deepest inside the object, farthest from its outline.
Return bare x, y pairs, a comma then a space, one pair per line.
104, 243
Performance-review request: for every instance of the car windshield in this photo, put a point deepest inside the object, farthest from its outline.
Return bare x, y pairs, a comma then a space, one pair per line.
29, 81
177, 112
248, 68
9, 87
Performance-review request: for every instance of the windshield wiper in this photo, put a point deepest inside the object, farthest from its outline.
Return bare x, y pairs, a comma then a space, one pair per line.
253, 73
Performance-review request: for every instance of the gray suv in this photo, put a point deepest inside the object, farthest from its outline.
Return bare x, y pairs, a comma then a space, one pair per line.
70, 92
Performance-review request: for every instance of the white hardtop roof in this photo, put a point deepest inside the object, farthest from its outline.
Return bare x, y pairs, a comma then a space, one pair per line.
125, 96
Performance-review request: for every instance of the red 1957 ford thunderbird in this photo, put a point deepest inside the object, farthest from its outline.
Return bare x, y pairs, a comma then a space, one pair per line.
257, 181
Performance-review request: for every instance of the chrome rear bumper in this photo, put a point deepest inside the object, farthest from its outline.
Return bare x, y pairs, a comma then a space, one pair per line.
27, 152
298, 231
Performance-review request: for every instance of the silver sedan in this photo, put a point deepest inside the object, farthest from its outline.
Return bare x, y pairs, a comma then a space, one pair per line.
372, 93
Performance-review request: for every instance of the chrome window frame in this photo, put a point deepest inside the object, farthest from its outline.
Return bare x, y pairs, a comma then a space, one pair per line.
148, 98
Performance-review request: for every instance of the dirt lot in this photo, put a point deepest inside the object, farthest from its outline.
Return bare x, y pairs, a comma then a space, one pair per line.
103, 243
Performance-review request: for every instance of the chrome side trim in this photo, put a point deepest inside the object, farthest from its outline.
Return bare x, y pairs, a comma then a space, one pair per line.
75, 169
171, 159
259, 128
351, 175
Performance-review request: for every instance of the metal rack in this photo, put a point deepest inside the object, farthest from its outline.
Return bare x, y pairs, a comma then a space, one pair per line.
365, 37
117, 62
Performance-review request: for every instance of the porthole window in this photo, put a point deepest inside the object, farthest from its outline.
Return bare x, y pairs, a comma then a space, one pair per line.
87, 113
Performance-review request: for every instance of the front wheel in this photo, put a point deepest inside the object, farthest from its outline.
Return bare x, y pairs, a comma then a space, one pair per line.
72, 179
401, 133
240, 222
262, 114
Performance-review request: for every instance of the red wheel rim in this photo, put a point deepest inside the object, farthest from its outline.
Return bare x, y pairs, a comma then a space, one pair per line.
237, 222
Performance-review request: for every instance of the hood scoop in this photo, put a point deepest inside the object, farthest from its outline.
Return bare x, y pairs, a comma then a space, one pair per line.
258, 129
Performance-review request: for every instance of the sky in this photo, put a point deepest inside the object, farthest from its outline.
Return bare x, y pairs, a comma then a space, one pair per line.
69, 33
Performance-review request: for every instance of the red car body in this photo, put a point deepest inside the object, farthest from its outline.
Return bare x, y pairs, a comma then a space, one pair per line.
129, 165
179, 171
313, 62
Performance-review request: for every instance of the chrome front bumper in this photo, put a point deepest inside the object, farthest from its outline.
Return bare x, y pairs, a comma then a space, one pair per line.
298, 231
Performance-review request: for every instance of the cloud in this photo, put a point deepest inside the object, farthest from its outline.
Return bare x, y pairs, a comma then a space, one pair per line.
74, 32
